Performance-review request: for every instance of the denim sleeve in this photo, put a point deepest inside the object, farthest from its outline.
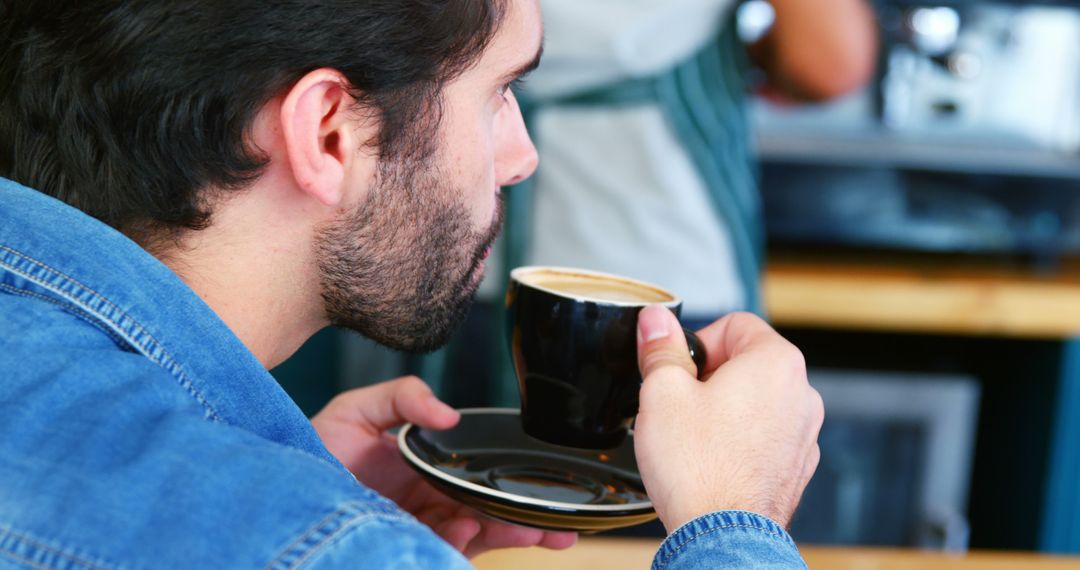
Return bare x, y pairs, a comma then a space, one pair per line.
728, 539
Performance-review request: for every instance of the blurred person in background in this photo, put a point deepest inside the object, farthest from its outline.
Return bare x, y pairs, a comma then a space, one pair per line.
640, 117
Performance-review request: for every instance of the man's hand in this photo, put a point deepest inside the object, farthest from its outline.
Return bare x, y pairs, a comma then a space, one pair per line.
744, 439
353, 427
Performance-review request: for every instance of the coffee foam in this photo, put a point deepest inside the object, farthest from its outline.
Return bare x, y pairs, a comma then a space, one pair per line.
596, 287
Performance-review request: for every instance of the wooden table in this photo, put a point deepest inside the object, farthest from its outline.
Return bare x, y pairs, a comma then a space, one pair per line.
631, 553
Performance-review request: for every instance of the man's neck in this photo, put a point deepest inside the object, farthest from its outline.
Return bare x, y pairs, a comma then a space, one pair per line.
255, 271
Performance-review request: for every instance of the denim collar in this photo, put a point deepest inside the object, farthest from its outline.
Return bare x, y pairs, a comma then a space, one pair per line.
75, 259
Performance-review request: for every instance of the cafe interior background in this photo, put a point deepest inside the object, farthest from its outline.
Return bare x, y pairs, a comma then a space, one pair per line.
924, 253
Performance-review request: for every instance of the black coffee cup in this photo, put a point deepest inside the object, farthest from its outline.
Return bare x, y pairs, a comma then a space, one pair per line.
573, 340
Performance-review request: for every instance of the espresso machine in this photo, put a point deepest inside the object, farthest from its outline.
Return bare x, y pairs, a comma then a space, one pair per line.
967, 141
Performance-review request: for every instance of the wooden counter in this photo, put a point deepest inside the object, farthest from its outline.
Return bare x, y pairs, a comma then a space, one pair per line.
628, 554
932, 297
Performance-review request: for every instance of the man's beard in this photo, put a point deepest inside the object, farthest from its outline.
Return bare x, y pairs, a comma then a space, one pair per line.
401, 267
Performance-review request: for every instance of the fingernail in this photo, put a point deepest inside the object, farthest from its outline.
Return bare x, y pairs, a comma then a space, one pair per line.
652, 324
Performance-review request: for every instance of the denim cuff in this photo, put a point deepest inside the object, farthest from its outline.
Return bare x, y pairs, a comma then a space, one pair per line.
722, 527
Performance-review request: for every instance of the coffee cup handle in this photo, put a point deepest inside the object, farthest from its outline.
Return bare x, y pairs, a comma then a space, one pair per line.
697, 351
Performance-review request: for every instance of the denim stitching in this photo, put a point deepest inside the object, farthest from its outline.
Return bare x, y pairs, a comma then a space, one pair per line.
67, 307
24, 560
312, 530
352, 522
88, 289
685, 543
321, 526
171, 366
88, 318
45, 547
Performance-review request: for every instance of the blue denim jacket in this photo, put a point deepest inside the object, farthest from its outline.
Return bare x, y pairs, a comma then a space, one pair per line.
139, 432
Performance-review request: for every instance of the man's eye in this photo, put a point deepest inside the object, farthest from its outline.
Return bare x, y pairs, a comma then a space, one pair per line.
514, 85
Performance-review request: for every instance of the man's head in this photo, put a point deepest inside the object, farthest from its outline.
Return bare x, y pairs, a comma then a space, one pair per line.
381, 124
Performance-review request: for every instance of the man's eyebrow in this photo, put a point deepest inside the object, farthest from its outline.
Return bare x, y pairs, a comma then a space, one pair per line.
524, 69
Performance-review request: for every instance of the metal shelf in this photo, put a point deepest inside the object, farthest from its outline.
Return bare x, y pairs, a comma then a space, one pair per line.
885, 148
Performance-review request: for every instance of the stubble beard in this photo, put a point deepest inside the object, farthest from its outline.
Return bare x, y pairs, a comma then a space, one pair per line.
401, 267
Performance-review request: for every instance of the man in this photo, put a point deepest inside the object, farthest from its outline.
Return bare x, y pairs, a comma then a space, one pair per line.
264, 170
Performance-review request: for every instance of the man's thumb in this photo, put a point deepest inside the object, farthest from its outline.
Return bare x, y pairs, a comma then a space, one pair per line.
661, 342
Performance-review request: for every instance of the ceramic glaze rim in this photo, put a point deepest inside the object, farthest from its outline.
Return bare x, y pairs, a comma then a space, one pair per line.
516, 499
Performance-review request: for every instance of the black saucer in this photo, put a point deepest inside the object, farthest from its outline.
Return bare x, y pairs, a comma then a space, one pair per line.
490, 464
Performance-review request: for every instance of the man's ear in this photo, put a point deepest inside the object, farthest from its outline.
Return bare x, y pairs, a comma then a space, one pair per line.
320, 134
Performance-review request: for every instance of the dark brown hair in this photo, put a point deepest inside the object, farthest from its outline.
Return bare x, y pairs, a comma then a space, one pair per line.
130, 109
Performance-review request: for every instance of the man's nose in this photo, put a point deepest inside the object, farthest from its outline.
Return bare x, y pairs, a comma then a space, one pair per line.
515, 154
